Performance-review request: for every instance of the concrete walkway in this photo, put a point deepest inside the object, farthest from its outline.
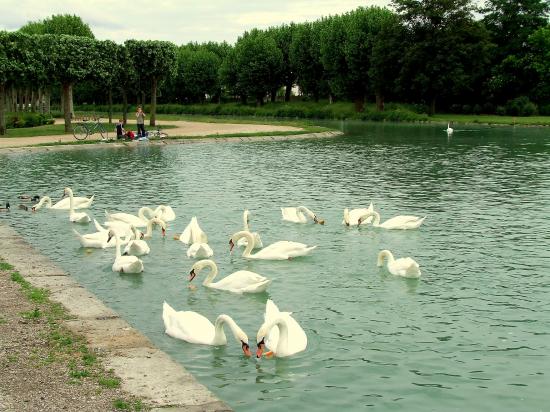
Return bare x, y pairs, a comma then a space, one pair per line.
145, 371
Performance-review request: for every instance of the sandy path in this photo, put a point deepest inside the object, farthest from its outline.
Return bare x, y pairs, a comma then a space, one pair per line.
183, 128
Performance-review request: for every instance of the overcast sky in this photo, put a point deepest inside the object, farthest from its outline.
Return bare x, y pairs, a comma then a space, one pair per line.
177, 21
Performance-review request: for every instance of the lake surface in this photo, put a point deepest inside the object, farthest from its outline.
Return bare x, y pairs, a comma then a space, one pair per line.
472, 334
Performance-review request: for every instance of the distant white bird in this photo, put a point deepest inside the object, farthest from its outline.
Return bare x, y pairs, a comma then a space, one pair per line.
300, 214
276, 251
124, 264
75, 217
398, 222
405, 267
449, 129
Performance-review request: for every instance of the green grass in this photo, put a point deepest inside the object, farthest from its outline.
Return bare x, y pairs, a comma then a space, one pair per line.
46, 130
109, 382
5, 266
492, 119
32, 314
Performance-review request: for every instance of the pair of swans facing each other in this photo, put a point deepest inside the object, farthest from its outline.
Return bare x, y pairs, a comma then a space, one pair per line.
281, 250
300, 214
165, 213
280, 333
63, 204
404, 267
242, 281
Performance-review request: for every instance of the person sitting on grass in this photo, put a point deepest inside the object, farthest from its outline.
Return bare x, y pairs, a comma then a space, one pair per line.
120, 133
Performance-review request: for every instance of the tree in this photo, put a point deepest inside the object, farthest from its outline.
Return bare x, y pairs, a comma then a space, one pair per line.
511, 23
283, 36
538, 61
258, 63
59, 24
155, 61
197, 74
332, 35
305, 55
441, 46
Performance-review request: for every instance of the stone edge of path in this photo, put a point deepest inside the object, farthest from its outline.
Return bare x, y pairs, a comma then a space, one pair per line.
145, 371
27, 149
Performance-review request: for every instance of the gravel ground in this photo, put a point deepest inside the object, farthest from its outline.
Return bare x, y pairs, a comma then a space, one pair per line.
45, 368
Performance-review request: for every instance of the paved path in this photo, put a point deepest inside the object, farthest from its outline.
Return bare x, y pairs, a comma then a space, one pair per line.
183, 128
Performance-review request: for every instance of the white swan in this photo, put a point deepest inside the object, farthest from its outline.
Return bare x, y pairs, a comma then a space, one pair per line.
242, 281
193, 233
154, 221
121, 228
199, 251
46, 202
165, 213
97, 240
192, 327
398, 222
138, 221
276, 251
124, 264
406, 267
63, 204
352, 216
449, 129
75, 217
280, 333
298, 215
137, 246
257, 240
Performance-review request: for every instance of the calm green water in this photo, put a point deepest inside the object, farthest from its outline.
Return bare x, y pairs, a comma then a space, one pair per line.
472, 334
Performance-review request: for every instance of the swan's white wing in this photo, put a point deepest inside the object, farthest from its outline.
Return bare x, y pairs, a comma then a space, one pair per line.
271, 312
283, 250
126, 218
355, 214
403, 222
78, 203
197, 234
80, 217
243, 281
291, 214
128, 264
189, 326
406, 267
137, 248
199, 250
297, 338
185, 237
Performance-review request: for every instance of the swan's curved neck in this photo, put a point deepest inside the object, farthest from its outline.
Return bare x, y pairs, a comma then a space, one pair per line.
346, 217
306, 211
376, 217
142, 210
117, 245
250, 241
281, 322
385, 254
219, 333
213, 271
71, 200
45, 199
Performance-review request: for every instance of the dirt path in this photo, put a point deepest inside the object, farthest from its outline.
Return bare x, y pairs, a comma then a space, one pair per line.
183, 128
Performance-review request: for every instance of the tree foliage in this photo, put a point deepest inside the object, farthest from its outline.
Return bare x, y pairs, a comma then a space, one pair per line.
59, 24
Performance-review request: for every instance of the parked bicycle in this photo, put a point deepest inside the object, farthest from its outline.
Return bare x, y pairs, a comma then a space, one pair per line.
84, 129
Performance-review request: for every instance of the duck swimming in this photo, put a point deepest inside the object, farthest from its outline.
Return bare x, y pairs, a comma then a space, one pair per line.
5, 209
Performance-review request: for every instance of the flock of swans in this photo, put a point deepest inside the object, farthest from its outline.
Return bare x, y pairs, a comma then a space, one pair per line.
280, 333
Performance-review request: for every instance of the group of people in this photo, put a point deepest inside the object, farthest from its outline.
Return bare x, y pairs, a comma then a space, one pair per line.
128, 134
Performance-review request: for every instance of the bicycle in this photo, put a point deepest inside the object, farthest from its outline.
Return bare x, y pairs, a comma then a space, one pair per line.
156, 133
84, 129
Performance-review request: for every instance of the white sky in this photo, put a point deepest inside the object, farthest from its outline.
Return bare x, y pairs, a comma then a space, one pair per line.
177, 21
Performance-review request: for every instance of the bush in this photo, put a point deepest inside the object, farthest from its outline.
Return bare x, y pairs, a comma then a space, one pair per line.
20, 120
476, 109
488, 108
521, 106
501, 111
545, 110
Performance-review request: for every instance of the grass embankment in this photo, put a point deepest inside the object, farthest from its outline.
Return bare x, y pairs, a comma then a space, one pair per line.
492, 119
63, 347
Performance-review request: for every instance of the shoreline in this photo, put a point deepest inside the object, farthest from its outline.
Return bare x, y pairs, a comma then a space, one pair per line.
164, 142
144, 371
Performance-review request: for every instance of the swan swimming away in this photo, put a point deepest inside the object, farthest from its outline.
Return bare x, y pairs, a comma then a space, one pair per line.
405, 267
75, 217
280, 333
281, 250
124, 264
199, 251
351, 216
192, 327
257, 240
300, 214
398, 222
193, 233
242, 281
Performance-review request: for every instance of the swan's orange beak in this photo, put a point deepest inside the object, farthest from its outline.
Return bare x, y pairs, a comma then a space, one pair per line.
260, 349
231, 245
192, 275
246, 349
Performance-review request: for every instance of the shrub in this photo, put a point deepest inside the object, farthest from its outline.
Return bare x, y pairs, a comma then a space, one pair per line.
545, 110
488, 108
521, 106
27, 119
476, 109
501, 111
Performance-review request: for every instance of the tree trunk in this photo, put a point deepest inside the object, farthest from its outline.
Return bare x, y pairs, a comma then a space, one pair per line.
110, 98
124, 107
432, 107
47, 100
359, 103
2, 114
152, 122
142, 98
273, 96
244, 99
288, 91
67, 107
330, 99
379, 102
259, 101
71, 105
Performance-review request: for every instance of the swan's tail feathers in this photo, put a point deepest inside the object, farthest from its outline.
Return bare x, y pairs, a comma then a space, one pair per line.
92, 198
259, 287
78, 235
421, 220
107, 215
167, 314
98, 226
185, 237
